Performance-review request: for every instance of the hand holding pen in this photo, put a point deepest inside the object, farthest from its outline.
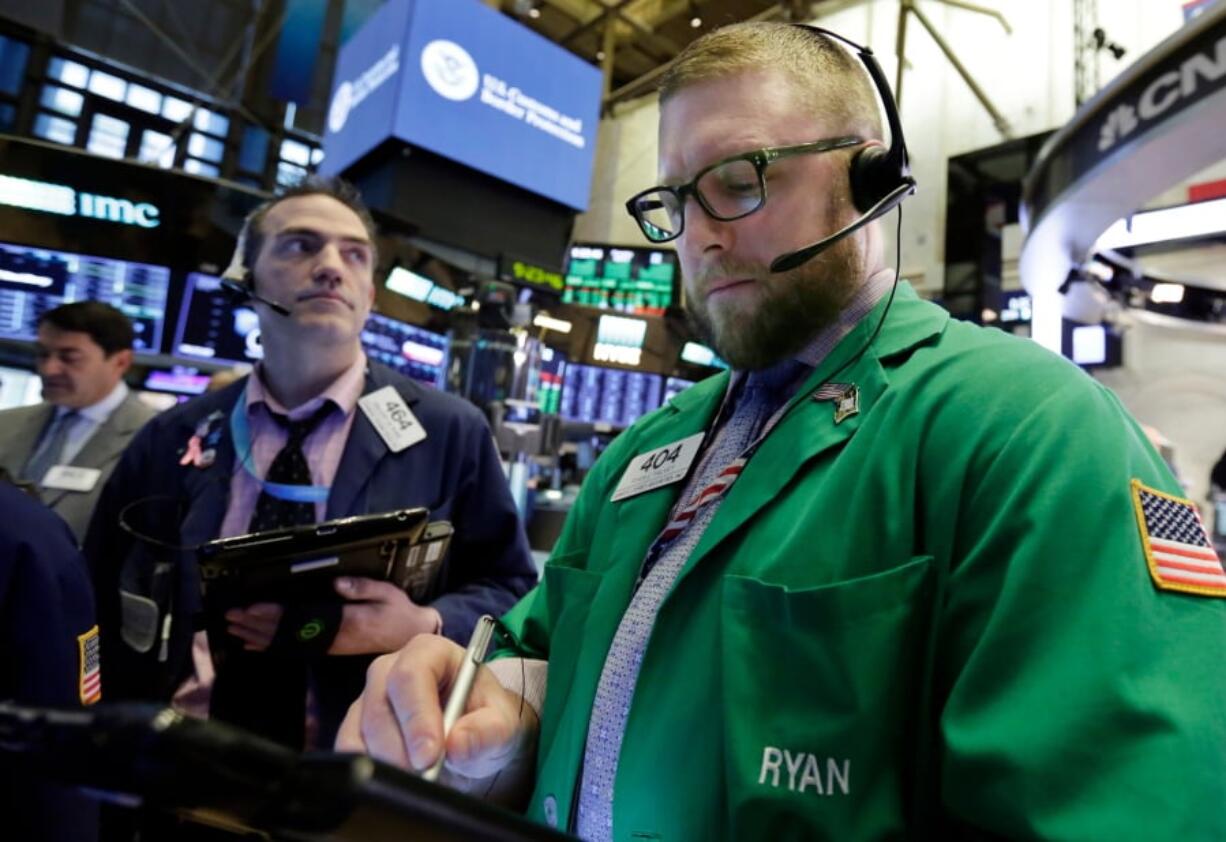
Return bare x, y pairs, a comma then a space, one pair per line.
457, 699
399, 719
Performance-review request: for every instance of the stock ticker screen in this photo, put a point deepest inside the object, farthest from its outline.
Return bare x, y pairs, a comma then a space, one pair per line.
411, 350
211, 327
635, 281
35, 280
608, 395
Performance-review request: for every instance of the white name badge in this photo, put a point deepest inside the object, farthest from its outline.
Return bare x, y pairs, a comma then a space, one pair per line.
71, 478
656, 468
394, 421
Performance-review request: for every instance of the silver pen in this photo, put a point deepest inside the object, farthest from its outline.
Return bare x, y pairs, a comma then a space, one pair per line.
474, 655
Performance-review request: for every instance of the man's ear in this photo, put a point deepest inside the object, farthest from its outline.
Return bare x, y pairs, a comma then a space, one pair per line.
123, 359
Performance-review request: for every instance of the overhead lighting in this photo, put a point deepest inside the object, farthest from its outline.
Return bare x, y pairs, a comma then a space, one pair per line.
1200, 219
1097, 269
550, 323
1166, 293
600, 55
695, 22
534, 12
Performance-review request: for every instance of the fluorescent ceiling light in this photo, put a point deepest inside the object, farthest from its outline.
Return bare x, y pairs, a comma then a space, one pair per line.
550, 323
1166, 293
1200, 219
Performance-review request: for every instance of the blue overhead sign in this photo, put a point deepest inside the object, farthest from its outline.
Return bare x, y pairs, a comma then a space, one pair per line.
462, 80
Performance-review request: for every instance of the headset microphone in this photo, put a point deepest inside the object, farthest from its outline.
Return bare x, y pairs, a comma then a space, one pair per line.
239, 282
792, 259
880, 178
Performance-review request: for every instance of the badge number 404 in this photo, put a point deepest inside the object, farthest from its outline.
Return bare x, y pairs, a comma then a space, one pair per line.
656, 461
655, 468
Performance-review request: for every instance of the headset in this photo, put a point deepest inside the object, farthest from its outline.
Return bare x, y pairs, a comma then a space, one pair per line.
239, 281
880, 178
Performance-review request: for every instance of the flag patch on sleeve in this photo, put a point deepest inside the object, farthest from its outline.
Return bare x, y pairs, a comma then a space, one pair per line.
88, 645
1178, 550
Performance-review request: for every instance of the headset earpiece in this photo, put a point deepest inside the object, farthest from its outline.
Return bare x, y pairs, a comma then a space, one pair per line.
876, 172
873, 175
237, 278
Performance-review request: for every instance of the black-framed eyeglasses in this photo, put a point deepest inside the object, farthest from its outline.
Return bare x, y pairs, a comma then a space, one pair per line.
727, 190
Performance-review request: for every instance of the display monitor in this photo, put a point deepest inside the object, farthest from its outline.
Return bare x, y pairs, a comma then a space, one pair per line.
638, 281
420, 288
180, 380
34, 280
19, 387
212, 327
552, 376
594, 394
414, 351
674, 386
619, 340
698, 354
1092, 346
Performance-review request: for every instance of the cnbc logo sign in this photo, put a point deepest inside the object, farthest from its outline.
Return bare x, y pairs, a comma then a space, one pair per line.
45, 197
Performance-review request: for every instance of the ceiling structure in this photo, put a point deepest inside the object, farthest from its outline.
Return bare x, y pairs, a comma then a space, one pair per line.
633, 40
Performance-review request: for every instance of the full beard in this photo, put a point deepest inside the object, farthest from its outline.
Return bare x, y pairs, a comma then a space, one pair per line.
790, 309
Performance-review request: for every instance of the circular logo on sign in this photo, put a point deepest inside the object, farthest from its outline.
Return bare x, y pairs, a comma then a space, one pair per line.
342, 101
450, 70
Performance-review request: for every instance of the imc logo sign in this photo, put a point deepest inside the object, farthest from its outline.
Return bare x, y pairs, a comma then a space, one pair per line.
46, 197
109, 209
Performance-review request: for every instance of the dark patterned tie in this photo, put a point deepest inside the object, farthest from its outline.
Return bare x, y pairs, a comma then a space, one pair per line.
265, 692
289, 467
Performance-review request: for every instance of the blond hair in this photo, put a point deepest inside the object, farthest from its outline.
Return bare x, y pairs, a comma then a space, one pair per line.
826, 77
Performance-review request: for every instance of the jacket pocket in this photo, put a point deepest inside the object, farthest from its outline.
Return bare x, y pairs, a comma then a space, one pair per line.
822, 703
145, 598
569, 592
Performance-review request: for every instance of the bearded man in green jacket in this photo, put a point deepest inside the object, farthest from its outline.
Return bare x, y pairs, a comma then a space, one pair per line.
894, 575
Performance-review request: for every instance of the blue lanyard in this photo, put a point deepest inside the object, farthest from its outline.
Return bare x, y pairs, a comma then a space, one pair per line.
240, 432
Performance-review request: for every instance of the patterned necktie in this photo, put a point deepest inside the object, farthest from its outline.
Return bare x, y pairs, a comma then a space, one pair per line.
289, 467
47, 455
765, 392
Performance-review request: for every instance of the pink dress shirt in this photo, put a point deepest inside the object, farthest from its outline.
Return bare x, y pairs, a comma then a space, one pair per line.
323, 447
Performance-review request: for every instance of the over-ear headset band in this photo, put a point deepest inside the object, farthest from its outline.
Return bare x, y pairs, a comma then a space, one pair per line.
896, 155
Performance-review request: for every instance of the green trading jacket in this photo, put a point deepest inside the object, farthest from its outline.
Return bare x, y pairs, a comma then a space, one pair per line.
934, 616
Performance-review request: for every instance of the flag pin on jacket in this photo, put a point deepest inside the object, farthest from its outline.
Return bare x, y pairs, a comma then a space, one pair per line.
846, 397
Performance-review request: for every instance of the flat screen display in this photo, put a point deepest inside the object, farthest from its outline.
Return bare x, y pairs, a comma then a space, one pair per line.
19, 387
674, 386
636, 281
211, 327
411, 350
420, 288
470, 83
178, 380
35, 280
699, 354
607, 395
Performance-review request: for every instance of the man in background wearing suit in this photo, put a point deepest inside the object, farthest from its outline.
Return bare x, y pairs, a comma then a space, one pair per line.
316, 432
68, 445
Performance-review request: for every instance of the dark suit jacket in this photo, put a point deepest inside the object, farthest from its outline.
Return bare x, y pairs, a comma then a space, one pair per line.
46, 607
21, 428
455, 472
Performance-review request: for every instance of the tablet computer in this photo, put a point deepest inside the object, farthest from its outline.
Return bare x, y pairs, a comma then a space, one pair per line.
300, 561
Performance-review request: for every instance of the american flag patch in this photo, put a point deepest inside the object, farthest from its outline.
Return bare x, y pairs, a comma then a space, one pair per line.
91, 666
1179, 553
